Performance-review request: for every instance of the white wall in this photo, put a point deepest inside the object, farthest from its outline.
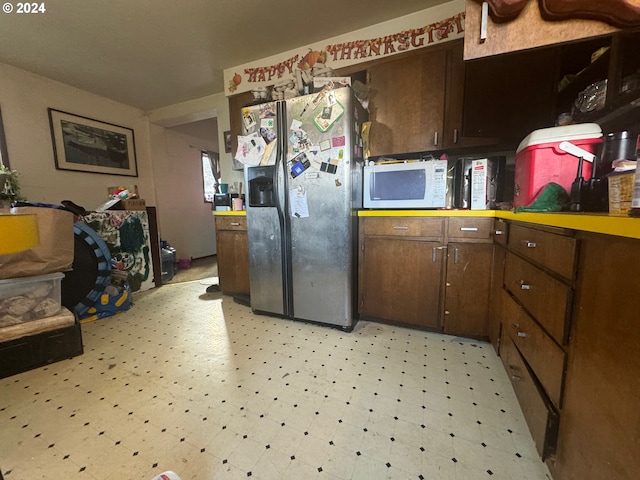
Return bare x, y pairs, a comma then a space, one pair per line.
207, 107
185, 220
24, 98
169, 171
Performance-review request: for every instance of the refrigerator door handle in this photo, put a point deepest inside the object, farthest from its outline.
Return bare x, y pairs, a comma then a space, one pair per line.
283, 207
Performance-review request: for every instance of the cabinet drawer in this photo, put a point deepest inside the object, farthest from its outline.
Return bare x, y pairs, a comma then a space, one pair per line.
546, 298
542, 418
500, 231
553, 251
461, 228
404, 226
541, 353
231, 223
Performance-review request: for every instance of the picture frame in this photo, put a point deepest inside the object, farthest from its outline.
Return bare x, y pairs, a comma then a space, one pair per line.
4, 154
83, 144
227, 141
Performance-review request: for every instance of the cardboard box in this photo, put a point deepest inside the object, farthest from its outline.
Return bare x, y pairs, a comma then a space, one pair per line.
540, 161
621, 192
479, 184
53, 254
129, 204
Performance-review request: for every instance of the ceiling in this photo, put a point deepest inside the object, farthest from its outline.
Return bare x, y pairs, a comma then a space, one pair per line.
153, 53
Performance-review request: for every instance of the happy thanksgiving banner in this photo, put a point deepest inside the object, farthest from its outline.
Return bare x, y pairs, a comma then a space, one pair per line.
433, 25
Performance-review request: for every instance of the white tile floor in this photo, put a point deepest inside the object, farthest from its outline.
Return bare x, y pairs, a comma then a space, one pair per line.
195, 383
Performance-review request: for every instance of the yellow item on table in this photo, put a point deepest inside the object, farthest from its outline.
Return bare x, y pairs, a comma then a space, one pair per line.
18, 232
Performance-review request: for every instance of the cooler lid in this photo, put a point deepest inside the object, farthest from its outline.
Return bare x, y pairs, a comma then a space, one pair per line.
579, 131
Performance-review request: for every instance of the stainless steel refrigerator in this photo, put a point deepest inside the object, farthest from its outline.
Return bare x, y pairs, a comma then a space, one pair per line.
301, 206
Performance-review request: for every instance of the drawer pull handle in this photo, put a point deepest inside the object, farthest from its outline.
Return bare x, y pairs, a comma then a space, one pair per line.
499, 232
468, 229
513, 375
529, 244
516, 327
524, 286
435, 252
400, 227
235, 224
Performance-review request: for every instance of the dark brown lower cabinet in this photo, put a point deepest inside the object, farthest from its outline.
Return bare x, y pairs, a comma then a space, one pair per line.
232, 254
468, 285
494, 323
400, 280
542, 418
599, 433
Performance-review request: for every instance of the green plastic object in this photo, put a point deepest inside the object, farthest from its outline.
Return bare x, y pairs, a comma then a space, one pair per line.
552, 198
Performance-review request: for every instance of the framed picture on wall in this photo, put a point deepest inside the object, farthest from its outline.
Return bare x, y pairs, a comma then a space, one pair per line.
86, 145
4, 155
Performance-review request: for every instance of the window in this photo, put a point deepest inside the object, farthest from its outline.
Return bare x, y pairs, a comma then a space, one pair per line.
210, 174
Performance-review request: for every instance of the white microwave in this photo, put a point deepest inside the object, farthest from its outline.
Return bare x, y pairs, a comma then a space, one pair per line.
406, 185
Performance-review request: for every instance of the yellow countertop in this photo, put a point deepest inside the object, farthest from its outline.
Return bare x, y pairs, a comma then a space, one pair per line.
587, 222
236, 213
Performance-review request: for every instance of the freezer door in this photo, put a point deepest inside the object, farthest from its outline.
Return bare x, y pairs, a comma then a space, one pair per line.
264, 234
265, 221
323, 224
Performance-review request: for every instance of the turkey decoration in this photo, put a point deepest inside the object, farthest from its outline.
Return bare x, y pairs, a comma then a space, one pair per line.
234, 82
311, 58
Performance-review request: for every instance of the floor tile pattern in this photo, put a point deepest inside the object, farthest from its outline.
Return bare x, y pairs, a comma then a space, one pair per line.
196, 383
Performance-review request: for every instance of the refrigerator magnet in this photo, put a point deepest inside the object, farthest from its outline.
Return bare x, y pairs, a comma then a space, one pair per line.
299, 164
326, 113
338, 141
296, 169
268, 122
325, 124
328, 168
295, 124
298, 202
325, 145
331, 98
248, 120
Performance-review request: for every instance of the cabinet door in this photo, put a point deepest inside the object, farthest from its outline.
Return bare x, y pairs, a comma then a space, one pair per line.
236, 102
407, 103
467, 288
401, 280
509, 96
528, 30
600, 428
453, 135
233, 261
495, 315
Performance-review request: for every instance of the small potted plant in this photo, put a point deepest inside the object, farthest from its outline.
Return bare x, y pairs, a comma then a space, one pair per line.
9, 186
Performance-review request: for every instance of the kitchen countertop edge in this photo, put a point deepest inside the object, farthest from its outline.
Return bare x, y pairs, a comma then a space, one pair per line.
232, 213
588, 222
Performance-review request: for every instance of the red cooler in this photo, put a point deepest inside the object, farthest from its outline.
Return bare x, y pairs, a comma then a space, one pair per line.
540, 161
